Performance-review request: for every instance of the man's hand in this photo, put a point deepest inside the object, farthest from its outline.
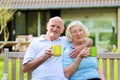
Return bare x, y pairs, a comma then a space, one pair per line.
76, 49
88, 42
48, 53
75, 52
84, 52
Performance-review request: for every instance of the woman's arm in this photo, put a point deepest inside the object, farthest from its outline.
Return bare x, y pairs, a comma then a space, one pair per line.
101, 74
71, 69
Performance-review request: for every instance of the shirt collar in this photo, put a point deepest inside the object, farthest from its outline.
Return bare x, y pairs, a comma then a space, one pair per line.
41, 38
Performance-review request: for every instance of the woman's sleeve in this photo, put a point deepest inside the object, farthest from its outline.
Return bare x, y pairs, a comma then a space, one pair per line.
66, 60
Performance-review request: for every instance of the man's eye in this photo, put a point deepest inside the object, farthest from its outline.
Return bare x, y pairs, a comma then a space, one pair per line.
58, 27
53, 25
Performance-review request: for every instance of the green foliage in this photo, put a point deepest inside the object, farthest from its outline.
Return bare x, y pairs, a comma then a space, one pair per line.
105, 36
92, 36
113, 39
5, 16
67, 23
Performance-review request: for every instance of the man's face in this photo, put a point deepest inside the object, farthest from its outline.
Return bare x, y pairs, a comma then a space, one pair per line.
55, 28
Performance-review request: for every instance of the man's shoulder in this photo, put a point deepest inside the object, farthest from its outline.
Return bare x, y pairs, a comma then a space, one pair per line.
63, 38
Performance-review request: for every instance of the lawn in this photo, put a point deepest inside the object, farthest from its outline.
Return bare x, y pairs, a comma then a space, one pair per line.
10, 69
1, 69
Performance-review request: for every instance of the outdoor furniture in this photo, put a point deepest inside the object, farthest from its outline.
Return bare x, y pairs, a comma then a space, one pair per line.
110, 65
14, 56
22, 43
18, 45
7, 44
111, 71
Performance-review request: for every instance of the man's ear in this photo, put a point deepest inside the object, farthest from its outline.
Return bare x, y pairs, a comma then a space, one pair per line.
63, 29
47, 26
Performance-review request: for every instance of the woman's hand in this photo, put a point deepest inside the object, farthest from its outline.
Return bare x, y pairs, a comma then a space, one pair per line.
77, 49
84, 52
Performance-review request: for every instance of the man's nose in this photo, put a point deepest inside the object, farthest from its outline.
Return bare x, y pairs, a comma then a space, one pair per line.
55, 27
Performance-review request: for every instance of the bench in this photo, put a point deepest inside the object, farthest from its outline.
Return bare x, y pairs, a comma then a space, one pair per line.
109, 62
16, 59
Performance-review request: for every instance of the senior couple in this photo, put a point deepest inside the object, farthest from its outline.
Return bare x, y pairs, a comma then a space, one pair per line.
73, 64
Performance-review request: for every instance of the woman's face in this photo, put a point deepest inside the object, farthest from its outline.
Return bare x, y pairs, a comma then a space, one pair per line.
78, 34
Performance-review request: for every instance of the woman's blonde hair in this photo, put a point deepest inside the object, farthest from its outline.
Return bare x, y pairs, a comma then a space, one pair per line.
73, 24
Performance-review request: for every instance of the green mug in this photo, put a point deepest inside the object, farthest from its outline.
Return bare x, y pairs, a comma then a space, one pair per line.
93, 51
57, 50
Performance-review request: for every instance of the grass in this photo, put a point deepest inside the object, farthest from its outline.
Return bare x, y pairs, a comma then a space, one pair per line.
1, 69
1, 66
10, 69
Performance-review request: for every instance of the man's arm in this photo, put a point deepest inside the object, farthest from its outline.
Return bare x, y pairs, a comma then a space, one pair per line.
88, 42
31, 65
76, 50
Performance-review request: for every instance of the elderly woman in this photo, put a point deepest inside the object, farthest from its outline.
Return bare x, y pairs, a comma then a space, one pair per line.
79, 68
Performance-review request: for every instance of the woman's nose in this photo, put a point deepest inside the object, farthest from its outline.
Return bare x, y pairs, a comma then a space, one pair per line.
78, 33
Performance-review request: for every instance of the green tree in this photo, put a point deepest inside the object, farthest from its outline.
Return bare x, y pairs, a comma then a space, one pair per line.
6, 14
